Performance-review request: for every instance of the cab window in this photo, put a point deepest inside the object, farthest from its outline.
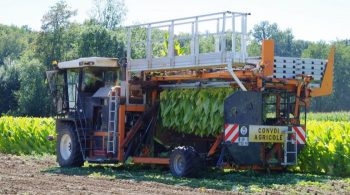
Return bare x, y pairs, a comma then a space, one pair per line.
72, 79
93, 79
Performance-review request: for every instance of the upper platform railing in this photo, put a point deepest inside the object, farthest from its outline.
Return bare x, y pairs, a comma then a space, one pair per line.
201, 41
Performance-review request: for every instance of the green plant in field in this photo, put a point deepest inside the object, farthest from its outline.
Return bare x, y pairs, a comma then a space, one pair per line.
329, 116
26, 135
200, 112
327, 149
194, 111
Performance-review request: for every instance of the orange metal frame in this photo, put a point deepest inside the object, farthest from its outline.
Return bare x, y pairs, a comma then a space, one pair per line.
327, 81
267, 57
135, 108
121, 126
254, 81
217, 142
121, 132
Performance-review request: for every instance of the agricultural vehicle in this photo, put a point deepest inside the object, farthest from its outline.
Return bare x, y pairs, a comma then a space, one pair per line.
108, 108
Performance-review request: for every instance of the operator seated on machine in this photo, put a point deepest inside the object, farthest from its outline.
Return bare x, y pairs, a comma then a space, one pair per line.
92, 82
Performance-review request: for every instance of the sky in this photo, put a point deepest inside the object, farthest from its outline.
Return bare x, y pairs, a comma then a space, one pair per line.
312, 20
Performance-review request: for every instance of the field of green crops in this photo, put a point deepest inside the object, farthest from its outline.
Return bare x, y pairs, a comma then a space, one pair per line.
26, 135
327, 151
330, 116
328, 146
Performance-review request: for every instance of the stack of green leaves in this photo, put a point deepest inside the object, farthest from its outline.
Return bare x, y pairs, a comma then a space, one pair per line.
26, 135
194, 111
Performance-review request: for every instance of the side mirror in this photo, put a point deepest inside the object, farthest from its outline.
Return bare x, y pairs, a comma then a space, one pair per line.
51, 76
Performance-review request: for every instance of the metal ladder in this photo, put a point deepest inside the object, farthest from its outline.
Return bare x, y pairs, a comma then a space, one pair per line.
290, 148
82, 126
113, 105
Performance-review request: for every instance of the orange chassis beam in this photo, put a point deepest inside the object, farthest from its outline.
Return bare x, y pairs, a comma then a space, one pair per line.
150, 160
255, 81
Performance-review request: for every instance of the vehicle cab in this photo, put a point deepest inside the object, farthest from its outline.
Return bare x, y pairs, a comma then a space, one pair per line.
81, 90
82, 85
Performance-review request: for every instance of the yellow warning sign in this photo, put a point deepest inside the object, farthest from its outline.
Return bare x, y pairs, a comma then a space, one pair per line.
260, 133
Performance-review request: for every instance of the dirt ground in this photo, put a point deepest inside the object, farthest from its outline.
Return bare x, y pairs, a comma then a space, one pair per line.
24, 175
41, 175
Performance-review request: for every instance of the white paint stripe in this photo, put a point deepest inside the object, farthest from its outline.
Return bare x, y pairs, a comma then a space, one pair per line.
301, 130
300, 140
228, 129
236, 132
233, 134
237, 139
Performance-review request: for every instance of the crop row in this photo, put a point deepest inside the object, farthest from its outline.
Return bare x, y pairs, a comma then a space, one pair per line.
26, 135
327, 150
329, 116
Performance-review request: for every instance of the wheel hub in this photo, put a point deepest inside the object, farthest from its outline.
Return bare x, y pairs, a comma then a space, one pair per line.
179, 164
66, 146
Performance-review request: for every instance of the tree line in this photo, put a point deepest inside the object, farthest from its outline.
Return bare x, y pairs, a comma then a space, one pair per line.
26, 54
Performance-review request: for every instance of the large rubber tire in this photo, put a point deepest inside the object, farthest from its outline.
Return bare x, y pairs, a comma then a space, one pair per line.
184, 162
67, 147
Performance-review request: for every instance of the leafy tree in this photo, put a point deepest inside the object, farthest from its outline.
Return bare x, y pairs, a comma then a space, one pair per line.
33, 96
50, 42
71, 37
206, 44
13, 41
22, 83
319, 50
9, 84
138, 50
96, 40
285, 45
264, 30
298, 47
108, 13
254, 48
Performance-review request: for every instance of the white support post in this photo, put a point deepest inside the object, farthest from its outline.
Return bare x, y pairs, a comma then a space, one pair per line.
243, 37
124, 84
234, 76
217, 37
220, 55
193, 40
233, 41
149, 47
223, 39
171, 44
128, 49
196, 43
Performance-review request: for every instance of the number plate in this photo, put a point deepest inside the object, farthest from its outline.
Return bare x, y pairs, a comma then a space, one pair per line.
243, 141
